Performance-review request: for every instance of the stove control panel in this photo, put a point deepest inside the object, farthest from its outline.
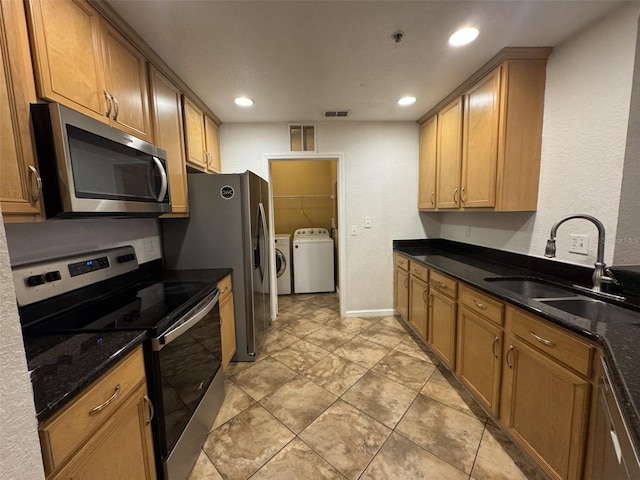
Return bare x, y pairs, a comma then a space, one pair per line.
42, 280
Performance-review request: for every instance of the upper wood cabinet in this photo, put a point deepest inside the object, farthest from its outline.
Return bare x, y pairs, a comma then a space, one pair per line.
20, 188
166, 117
85, 64
202, 139
212, 142
427, 166
489, 135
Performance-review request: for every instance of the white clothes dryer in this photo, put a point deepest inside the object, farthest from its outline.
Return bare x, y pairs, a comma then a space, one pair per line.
313, 261
283, 264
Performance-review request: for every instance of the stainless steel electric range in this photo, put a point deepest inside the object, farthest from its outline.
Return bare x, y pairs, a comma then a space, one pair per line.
107, 291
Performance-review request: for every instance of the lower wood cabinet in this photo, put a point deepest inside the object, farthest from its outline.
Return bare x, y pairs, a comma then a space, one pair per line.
227, 321
104, 433
401, 286
442, 326
419, 305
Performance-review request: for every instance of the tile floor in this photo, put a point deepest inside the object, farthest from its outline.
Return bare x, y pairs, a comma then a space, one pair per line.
350, 398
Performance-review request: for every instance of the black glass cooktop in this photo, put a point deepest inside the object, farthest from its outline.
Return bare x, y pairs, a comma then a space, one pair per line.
151, 306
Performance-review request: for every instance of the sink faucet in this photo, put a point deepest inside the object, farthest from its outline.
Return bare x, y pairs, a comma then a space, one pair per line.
601, 274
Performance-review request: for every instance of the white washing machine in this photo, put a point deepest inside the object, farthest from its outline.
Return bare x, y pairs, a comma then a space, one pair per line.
312, 261
283, 264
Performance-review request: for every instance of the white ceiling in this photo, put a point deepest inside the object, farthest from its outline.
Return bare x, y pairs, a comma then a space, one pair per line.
298, 58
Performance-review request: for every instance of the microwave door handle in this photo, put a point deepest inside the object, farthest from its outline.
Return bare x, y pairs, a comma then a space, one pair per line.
163, 178
168, 337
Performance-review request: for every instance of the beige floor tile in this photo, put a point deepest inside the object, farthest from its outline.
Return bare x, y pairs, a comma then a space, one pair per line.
335, 374
329, 338
237, 367
380, 398
300, 355
302, 327
235, 401
204, 469
297, 461
363, 352
393, 322
401, 459
499, 459
414, 347
297, 403
245, 443
276, 339
405, 369
442, 386
346, 438
324, 299
383, 335
263, 377
323, 315
350, 325
445, 432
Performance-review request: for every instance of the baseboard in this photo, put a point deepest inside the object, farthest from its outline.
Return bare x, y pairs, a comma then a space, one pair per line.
370, 313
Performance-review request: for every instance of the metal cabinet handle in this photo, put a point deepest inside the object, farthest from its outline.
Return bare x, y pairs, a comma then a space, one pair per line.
431, 300
104, 405
406, 282
432, 198
493, 347
152, 410
507, 356
36, 197
417, 271
463, 197
424, 296
481, 306
455, 196
543, 341
109, 100
115, 102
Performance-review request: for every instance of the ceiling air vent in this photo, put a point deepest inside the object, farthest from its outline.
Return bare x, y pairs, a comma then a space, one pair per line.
336, 113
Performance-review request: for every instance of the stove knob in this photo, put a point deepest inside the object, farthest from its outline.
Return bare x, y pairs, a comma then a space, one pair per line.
52, 276
35, 280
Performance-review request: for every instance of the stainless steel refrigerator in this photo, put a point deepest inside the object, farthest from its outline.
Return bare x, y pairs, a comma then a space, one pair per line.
228, 227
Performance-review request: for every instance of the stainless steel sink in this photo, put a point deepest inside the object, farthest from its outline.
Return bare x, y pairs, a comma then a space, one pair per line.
593, 309
531, 287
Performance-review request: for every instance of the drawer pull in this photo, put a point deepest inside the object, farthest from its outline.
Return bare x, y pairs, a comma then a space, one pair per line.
104, 405
481, 306
507, 356
152, 410
440, 284
543, 341
493, 347
417, 271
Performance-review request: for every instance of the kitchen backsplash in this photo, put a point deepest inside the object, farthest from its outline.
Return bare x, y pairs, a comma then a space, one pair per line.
28, 242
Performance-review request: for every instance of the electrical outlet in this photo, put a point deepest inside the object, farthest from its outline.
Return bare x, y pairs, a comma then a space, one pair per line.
354, 230
579, 244
467, 232
367, 222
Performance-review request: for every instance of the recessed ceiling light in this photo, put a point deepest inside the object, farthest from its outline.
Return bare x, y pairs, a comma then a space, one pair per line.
243, 101
463, 36
404, 101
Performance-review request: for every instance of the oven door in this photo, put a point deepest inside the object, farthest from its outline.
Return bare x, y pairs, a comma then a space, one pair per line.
189, 381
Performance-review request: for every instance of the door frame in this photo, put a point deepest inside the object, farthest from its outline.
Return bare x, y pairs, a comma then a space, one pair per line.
342, 229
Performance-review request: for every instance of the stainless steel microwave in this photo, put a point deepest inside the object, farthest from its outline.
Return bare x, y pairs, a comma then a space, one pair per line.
91, 169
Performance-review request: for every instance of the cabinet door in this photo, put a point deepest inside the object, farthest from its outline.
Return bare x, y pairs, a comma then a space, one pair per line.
194, 136
19, 190
67, 42
480, 142
427, 166
401, 302
122, 448
478, 358
419, 305
442, 326
544, 406
166, 117
227, 329
212, 141
449, 147
126, 74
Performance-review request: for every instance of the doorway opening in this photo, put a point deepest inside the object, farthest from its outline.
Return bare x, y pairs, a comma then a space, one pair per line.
305, 196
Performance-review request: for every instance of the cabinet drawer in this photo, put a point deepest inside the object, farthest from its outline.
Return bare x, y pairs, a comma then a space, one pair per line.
482, 304
446, 285
553, 341
224, 286
69, 428
401, 262
419, 270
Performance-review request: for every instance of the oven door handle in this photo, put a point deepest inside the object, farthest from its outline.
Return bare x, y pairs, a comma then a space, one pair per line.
189, 320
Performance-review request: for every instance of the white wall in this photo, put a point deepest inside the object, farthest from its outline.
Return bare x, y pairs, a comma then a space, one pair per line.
586, 113
19, 444
380, 181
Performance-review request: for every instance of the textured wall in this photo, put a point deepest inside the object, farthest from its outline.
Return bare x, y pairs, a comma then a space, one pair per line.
586, 113
19, 444
380, 168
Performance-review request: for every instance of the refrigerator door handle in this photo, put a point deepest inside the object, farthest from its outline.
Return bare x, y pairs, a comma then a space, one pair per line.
262, 241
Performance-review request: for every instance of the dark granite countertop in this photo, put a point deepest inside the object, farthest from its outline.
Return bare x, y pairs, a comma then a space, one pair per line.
619, 340
61, 366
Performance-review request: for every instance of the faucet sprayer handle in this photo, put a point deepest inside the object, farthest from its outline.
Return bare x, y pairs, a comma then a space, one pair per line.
550, 249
